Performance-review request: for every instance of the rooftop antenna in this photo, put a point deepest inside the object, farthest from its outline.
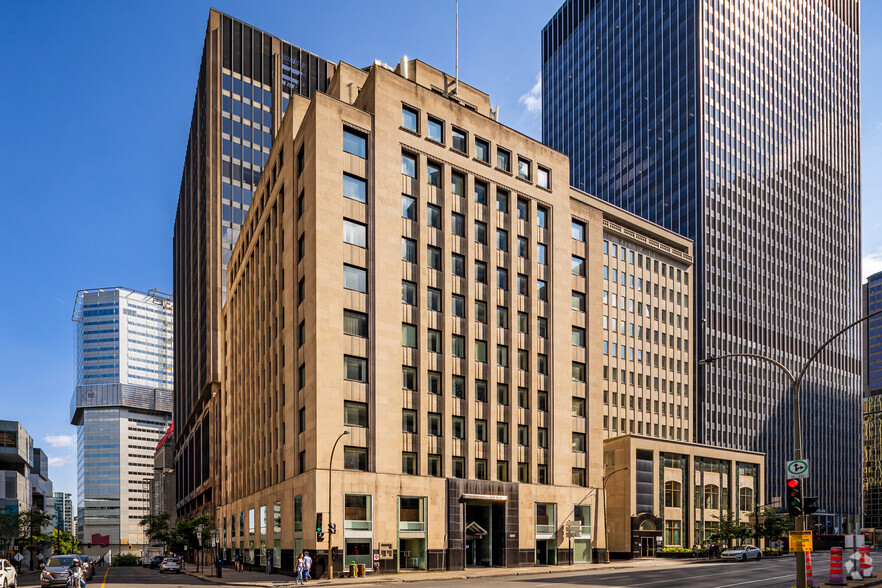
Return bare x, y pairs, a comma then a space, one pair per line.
456, 87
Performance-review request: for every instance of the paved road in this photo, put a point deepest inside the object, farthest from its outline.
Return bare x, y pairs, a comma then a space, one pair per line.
128, 578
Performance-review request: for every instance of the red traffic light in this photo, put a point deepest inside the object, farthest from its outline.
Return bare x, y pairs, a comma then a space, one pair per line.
792, 483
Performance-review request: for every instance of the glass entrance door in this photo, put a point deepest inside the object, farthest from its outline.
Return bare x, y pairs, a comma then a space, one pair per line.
647, 547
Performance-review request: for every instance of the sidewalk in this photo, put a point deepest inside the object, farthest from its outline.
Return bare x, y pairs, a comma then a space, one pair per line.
233, 578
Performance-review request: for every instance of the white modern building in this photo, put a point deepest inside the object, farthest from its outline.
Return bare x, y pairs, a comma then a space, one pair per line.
64, 512
122, 406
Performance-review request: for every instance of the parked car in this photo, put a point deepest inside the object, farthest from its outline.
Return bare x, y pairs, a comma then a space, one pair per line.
155, 562
8, 576
743, 553
170, 564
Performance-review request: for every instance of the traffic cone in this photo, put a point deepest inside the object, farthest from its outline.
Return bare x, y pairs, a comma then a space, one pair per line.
866, 566
809, 581
836, 567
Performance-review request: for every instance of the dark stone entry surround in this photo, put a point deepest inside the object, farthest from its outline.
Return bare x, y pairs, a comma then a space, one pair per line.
505, 540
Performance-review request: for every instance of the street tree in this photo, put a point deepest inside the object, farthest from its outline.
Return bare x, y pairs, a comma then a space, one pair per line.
63, 542
31, 524
157, 530
9, 530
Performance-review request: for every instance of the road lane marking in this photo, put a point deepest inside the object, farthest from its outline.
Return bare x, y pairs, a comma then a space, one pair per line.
698, 576
104, 579
755, 581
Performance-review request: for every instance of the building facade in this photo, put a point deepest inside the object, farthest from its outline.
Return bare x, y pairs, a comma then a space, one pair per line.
42, 495
162, 490
246, 79
699, 116
64, 513
121, 406
871, 293
407, 276
16, 455
673, 494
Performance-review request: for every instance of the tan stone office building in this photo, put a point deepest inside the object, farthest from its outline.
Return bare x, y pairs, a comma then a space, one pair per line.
420, 277
672, 494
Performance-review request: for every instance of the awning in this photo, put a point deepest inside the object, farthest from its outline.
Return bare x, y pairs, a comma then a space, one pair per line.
488, 497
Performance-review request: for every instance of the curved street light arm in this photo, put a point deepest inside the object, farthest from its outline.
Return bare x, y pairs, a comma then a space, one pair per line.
833, 338
774, 362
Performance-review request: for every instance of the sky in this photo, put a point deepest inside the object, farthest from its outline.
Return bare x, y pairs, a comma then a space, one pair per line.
94, 113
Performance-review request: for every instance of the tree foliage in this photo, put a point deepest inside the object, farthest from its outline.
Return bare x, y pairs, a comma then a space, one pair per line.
63, 542
731, 528
9, 530
184, 534
31, 536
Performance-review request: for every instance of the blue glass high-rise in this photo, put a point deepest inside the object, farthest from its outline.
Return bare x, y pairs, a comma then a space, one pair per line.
737, 125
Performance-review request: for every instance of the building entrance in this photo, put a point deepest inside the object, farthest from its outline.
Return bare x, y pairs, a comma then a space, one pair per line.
647, 547
481, 522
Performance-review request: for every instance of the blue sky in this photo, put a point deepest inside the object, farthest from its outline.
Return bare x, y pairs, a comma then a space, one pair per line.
94, 113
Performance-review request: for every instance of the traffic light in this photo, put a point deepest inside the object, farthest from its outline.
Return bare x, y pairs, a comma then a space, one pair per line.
319, 535
332, 528
808, 505
794, 498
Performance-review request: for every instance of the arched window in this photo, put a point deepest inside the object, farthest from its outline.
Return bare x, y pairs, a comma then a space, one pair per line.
647, 526
711, 496
672, 494
745, 499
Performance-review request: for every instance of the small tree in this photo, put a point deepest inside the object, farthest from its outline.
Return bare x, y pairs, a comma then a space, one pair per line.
9, 530
156, 529
775, 524
31, 523
731, 528
64, 542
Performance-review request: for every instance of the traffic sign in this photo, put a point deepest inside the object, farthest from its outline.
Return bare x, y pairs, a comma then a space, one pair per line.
574, 529
801, 541
798, 468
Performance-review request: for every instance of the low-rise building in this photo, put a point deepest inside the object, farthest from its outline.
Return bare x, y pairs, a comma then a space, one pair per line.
673, 494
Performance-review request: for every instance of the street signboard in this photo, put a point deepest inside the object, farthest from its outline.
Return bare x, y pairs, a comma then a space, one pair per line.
801, 541
798, 468
574, 529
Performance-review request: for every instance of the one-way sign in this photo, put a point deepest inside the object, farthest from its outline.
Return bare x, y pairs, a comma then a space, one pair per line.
798, 468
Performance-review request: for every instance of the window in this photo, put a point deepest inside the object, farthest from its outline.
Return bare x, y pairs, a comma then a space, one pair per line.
541, 217
354, 278
408, 207
434, 341
578, 266
433, 216
480, 232
354, 233
541, 474
481, 390
301, 419
408, 421
745, 499
408, 463
410, 119
354, 188
501, 239
460, 139
523, 472
434, 465
481, 311
482, 150
502, 278
457, 224
578, 336
523, 322
457, 184
502, 201
480, 469
542, 400
433, 174
523, 360
503, 159
523, 436
481, 351
408, 378
355, 414
408, 335
355, 458
578, 407
502, 471
672, 494
578, 371
542, 327
434, 424
523, 285
522, 209
457, 263
523, 397
457, 344
480, 272
355, 323
355, 368
408, 165
502, 394
434, 255
523, 247
480, 193
408, 250
542, 291
502, 355
502, 317
480, 430
408, 292
458, 306
579, 477
542, 438
354, 143
433, 299
457, 427
434, 382
543, 178
578, 231
436, 129
672, 532
523, 168
578, 301
457, 464
711, 497
540, 253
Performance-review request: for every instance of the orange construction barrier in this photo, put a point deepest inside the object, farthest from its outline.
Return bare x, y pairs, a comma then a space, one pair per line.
836, 567
809, 581
866, 565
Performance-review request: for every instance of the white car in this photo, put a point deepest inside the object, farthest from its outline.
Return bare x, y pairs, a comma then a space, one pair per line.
743, 553
170, 564
8, 576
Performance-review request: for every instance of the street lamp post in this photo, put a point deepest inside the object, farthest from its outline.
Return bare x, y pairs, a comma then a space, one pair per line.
330, 509
605, 519
796, 384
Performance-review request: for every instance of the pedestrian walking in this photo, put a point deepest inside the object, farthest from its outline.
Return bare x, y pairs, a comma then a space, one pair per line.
299, 569
307, 566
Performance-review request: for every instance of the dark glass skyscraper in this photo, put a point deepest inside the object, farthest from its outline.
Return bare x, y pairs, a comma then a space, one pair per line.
246, 79
872, 365
736, 124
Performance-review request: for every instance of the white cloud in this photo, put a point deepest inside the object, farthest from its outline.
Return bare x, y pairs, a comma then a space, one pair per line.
532, 100
56, 462
61, 440
871, 263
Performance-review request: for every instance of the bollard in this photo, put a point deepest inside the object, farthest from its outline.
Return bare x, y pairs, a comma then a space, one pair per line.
866, 565
836, 567
809, 581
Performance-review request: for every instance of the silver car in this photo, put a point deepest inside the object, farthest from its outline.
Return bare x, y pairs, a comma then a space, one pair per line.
8, 576
743, 553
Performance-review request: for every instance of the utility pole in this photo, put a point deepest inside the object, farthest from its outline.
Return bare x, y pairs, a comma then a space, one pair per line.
330, 508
